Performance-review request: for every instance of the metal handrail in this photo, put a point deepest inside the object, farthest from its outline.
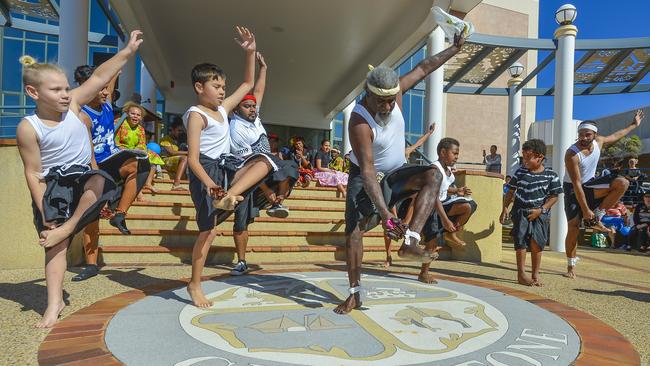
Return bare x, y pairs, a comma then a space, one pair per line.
421, 159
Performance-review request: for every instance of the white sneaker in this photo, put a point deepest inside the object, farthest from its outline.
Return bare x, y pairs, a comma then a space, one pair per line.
240, 269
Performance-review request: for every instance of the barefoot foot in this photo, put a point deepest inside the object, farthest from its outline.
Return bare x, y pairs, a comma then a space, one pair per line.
228, 203
51, 316
351, 303
150, 188
569, 273
388, 262
50, 238
454, 240
198, 298
427, 278
524, 280
537, 282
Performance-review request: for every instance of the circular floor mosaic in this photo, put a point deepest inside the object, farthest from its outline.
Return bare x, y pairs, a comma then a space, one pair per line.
287, 319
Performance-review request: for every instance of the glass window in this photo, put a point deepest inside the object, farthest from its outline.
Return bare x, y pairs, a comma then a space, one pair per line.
36, 50
11, 52
52, 52
417, 104
12, 32
97, 20
8, 126
418, 56
10, 100
338, 130
406, 107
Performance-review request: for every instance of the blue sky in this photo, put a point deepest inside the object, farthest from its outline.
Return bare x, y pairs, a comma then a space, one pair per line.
596, 19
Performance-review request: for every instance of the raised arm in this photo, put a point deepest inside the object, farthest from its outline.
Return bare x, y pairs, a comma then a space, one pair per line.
89, 125
636, 121
260, 84
30, 153
104, 73
111, 86
361, 141
430, 64
409, 149
246, 41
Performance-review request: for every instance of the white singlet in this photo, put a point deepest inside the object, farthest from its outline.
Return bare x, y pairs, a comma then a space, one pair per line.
65, 144
447, 180
587, 164
387, 141
247, 138
215, 137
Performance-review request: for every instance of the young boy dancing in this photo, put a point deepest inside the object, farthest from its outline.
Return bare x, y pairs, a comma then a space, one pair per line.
534, 189
218, 180
56, 150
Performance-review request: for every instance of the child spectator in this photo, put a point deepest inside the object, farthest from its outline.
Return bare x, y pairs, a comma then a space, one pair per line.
534, 190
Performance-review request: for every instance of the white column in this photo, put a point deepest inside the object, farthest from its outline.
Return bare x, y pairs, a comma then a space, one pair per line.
433, 97
127, 77
514, 126
564, 129
73, 36
147, 89
346, 122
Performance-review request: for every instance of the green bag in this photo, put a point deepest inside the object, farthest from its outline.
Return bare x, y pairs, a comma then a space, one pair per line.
598, 240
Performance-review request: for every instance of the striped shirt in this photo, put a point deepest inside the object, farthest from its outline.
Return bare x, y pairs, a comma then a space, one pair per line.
533, 189
641, 214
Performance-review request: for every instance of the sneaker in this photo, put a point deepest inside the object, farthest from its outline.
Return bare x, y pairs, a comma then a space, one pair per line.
240, 269
279, 211
90, 271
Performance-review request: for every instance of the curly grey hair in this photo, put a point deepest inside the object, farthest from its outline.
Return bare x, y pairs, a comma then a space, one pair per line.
383, 77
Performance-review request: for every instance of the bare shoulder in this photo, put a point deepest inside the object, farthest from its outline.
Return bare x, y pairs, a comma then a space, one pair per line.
25, 131
197, 118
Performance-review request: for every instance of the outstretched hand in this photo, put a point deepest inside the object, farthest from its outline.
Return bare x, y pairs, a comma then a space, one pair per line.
246, 39
459, 40
638, 117
135, 41
260, 60
432, 127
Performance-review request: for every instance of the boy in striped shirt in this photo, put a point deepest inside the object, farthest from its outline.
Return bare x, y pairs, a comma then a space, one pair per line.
534, 190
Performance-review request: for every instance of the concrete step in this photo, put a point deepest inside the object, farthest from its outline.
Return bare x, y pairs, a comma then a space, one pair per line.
187, 209
170, 222
311, 191
301, 201
183, 237
256, 255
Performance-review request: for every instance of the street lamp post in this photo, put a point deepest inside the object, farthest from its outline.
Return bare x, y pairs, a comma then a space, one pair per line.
564, 129
514, 117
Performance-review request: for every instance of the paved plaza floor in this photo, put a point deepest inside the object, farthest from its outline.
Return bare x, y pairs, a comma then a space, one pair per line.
282, 314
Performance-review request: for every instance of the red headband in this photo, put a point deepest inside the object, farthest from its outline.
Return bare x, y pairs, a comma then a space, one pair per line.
249, 97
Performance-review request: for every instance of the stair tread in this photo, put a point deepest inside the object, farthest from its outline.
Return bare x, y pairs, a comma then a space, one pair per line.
185, 232
189, 204
310, 188
231, 218
250, 248
290, 198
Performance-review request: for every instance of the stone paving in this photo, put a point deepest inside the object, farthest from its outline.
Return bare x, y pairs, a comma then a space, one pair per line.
612, 286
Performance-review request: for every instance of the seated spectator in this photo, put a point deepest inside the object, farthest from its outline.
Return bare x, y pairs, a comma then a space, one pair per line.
639, 236
131, 135
337, 160
346, 163
505, 184
274, 145
174, 147
302, 157
617, 220
326, 175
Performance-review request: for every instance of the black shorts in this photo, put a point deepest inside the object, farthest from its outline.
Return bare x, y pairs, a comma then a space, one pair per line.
359, 209
433, 227
64, 189
114, 163
572, 208
523, 231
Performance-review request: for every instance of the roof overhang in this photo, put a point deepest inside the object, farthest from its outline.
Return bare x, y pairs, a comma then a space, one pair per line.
317, 51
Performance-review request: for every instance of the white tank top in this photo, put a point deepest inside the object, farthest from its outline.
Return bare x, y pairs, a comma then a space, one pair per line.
587, 164
448, 179
387, 141
65, 144
215, 137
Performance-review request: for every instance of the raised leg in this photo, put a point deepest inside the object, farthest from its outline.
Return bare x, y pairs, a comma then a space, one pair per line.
93, 189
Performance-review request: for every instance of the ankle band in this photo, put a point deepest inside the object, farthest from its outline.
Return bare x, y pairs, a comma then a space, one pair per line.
572, 261
354, 290
411, 234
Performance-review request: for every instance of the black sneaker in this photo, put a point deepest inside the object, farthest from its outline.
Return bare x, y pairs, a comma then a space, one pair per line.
279, 211
90, 271
240, 269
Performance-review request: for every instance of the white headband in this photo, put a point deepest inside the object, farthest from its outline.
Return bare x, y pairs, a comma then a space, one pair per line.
383, 92
587, 126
